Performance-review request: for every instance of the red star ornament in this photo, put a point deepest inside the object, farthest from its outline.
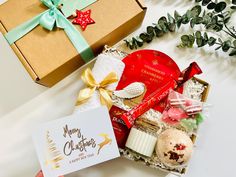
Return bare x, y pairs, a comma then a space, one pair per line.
83, 19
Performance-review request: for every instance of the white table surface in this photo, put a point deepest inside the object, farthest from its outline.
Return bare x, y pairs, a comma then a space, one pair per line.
24, 105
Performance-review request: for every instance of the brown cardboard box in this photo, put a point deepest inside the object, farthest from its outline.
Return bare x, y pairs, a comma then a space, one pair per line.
50, 56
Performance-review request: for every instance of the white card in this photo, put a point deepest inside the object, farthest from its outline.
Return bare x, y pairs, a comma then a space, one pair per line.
75, 142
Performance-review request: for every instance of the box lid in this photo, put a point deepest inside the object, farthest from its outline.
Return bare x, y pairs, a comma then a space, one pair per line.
43, 52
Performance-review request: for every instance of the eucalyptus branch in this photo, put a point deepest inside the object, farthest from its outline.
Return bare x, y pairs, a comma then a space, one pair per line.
214, 17
202, 40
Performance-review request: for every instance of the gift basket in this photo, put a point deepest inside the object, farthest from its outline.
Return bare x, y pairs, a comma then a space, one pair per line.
162, 137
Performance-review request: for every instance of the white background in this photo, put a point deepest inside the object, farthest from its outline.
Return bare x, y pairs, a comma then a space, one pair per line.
24, 104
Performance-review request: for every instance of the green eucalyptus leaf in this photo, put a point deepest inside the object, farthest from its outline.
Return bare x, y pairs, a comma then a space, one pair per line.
205, 2
170, 18
178, 19
199, 42
150, 30
162, 22
189, 14
185, 19
164, 28
220, 7
211, 6
196, 10
130, 44
211, 41
218, 27
192, 23
226, 45
209, 26
171, 27
177, 15
198, 34
220, 40
139, 41
171, 24
233, 7
206, 19
205, 36
134, 43
214, 19
198, 20
150, 37
144, 37
158, 31
185, 39
179, 22
234, 2
232, 53
158, 27
191, 40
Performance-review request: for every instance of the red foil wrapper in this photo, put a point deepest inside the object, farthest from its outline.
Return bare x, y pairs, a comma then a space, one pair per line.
189, 72
120, 129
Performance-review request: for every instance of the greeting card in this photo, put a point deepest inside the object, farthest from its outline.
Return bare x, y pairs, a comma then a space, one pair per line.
75, 142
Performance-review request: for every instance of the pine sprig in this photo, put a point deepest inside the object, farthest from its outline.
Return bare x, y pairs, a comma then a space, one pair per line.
211, 15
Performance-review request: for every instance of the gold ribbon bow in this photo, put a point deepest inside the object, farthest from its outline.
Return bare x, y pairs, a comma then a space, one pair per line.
92, 85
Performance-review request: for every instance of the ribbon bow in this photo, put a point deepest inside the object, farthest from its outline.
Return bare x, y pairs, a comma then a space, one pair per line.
51, 17
48, 20
92, 86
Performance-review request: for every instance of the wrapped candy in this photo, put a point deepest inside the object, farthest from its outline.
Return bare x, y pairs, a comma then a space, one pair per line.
183, 110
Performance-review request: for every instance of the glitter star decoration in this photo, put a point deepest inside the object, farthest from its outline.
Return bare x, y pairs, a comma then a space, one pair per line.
83, 19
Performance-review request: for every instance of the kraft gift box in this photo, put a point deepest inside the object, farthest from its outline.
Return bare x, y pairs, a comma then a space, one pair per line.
49, 56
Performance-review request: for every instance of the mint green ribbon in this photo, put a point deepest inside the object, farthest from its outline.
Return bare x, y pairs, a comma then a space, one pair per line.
48, 20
